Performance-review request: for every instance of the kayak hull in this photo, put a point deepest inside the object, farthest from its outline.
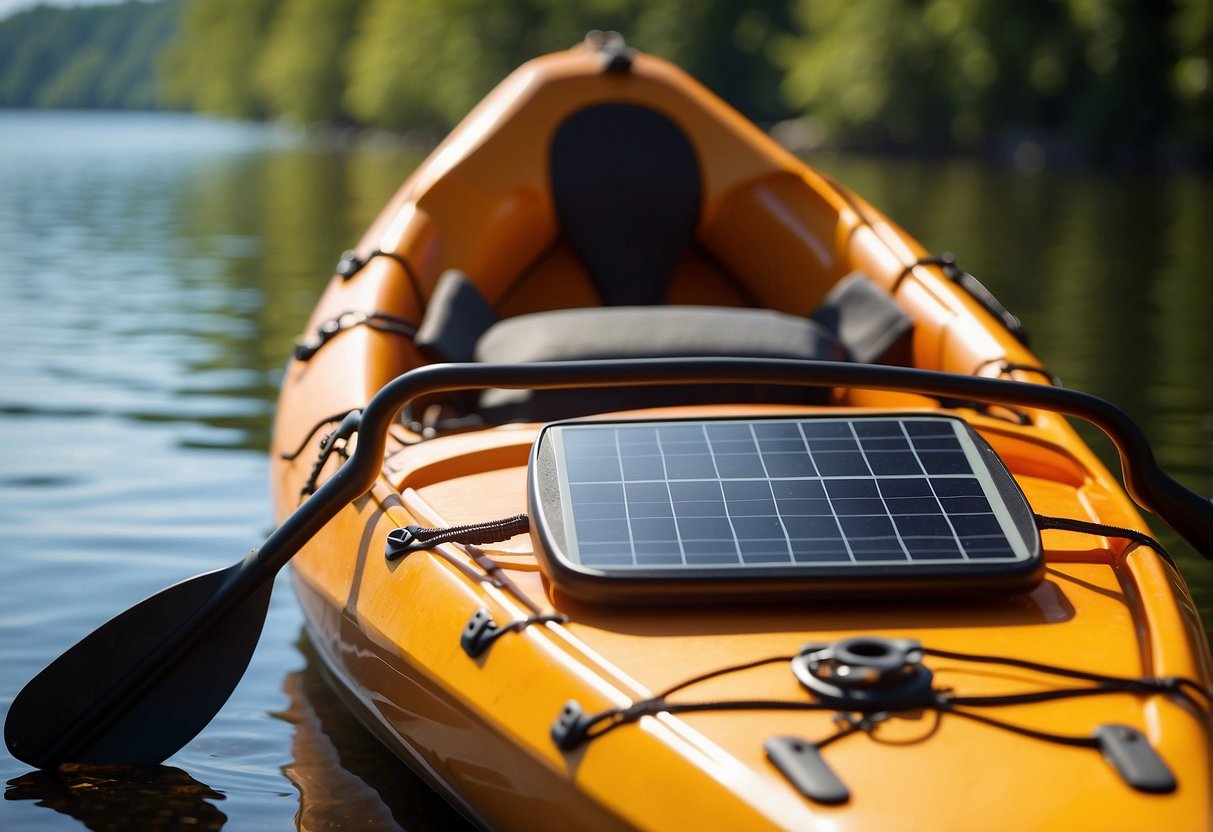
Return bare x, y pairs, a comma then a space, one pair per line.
479, 727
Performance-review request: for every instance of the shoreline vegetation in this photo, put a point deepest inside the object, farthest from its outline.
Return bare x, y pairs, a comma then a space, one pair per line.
1033, 83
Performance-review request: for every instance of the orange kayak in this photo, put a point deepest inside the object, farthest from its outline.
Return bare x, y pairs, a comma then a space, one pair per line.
715, 501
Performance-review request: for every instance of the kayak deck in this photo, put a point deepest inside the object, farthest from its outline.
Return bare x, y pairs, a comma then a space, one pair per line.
392, 630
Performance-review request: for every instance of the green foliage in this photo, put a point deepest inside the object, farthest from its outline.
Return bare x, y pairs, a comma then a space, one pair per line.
209, 66
1103, 78
1093, 75
96, 56
302, 72
725, 45
424, 64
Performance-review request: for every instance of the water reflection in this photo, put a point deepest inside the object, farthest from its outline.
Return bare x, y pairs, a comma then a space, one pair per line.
345, 777
270, 230
122, 798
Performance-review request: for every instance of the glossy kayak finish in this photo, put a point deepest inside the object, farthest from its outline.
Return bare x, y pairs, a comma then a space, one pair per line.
479, 728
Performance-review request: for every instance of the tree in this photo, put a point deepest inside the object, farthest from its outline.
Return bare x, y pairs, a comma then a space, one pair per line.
422, 65
302, 72
1087, 75
96, 56
209, 65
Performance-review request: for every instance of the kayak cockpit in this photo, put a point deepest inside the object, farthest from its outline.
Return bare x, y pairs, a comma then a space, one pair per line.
857, 321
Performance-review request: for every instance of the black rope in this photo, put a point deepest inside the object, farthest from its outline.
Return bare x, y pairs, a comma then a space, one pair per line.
1177, 685
1022, 730
328, 420
712, 674
1028, 665
334, 442
418, 538
942, 701
944, 261
849, 726
976, 290
1035, 697
616, 717
1069, 524
378, 321
1008, 367
527, 271
350, 264
476, 534
1016, 417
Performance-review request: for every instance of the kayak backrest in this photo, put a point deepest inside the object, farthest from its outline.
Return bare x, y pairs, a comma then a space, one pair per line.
857, 322
626, 187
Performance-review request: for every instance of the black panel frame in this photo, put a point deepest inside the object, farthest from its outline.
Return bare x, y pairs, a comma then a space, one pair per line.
749, 582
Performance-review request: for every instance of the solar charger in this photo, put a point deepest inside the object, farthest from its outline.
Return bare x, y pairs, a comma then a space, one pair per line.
747, 509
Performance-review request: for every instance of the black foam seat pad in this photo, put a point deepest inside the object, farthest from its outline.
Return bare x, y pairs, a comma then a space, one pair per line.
647, 332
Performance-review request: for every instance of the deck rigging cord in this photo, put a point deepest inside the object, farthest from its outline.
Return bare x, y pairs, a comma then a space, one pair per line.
418, 538
351, 263
864, 681
189, 644
591, 727
290, 456
902, 685
327, 330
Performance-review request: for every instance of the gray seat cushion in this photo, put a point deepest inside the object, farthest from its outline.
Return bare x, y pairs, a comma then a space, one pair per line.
647, 332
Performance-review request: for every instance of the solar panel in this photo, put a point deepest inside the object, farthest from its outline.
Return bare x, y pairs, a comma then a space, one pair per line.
818, 506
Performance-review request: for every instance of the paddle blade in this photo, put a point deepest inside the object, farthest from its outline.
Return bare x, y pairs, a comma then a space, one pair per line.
140, 686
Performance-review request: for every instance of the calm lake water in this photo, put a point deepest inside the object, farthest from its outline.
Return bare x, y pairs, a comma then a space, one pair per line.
156, 270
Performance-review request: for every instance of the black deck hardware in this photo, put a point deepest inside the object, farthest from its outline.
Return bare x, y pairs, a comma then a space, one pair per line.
481, 630
801, 762
350, 263
616, 55
866, 674
413, 538
977, 290
1135, 759
568, 731
379, 321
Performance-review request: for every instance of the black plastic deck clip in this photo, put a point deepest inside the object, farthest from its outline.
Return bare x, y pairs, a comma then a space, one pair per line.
801, 762
401, 542
569, 729
1131, 754
481, 630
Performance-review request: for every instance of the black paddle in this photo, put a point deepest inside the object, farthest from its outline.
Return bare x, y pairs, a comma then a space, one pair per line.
145, 683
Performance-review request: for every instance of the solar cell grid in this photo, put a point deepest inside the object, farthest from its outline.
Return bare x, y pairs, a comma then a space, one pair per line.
837, 492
